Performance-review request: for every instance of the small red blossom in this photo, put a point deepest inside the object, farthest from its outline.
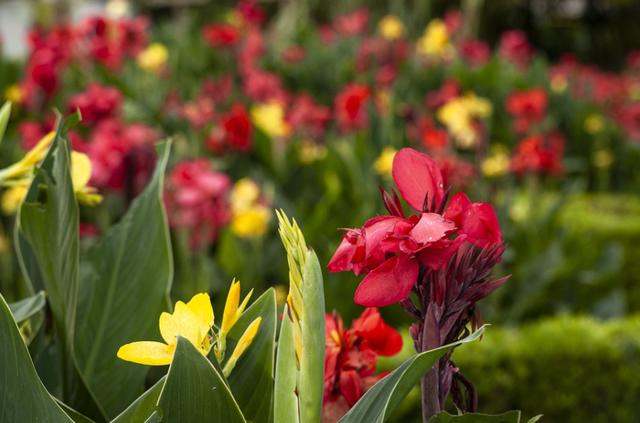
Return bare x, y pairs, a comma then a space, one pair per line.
307, 118
350, 359
539, 154
234, 132
528, 107
475, 52
353, 23
515, 48
221, 35
350, 107
449, 89
96, 103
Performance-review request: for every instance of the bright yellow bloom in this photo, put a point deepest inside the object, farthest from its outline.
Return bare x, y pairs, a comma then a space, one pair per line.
311, 151
192, 321
458, 116
391, 28
26, 165
243, 343
252, 222
13, 196
80, 175
233, 309
594, 123
153, 58
497, 163
269, 117
435, 40
14, 94
244, 194
384, 162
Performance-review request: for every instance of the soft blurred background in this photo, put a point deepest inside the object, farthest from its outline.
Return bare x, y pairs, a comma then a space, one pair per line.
531, 105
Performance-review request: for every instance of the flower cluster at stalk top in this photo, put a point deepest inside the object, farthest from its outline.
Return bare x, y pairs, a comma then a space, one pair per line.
390, 250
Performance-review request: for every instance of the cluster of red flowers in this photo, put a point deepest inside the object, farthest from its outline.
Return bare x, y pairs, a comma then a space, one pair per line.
540, 153
389, 250
528, 107
197, 198
350, 359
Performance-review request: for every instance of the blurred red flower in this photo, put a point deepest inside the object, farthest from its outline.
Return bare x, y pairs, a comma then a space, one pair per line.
350, 107
515, 48
539, 154
475, 52
221, 35
528, 107
350, 359
233, 133
96, 103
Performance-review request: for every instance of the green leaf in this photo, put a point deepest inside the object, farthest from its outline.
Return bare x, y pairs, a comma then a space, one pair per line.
27, 307
126, 279
76, 416
383, 397
285, 405
508, 417
195, 391
143, 407
23, 397
311, 382
251, 380
5, 113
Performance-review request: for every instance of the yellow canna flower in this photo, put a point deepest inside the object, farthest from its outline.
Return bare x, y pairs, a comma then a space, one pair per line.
497, 163
153, 58
458, 115
269, 117
311, 151
14, 94
192, 321
13, 196
251, 222
243, 343
244, 194
391, 28
384, 162
233, 309
603, 159
80, 176
26, 165
435, 40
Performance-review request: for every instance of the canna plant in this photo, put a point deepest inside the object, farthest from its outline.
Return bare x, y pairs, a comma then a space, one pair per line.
78, 346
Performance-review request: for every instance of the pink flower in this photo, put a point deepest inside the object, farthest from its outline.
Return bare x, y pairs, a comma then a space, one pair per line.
96, 103
515, 48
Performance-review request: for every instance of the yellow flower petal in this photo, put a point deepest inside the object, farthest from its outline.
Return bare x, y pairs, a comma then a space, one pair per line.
147, 352
12, 198
243, 343
200, 305
182, 322
230, 308
80, 170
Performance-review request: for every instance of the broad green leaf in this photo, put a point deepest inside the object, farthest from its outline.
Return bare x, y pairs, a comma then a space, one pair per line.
285, 404
251, 380
27, 307
47, 223
508, 417
126, 279
383, 397
195, 391
311, 382
143, 407
5, 113
23, 397
76, 416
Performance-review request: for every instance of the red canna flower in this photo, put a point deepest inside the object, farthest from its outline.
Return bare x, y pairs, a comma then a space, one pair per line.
515, 48
528, 107
234, 132
449, 89
221, 35
350, 359
539, 154
350, 107
475, 52
96, 103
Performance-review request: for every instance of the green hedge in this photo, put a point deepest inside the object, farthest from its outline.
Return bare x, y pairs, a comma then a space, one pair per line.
571, 369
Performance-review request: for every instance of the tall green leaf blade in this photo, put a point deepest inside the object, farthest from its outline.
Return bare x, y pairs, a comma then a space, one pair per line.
27, 307
195, 391
251, 380
508, 417
285, 404
23, 397
5, 113
126, 279
311, 383
143, 407
383, 397
75, 415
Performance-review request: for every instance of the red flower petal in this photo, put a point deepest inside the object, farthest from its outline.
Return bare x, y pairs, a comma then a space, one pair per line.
378, 335
415, 175
388, 283
350, 386
431, 227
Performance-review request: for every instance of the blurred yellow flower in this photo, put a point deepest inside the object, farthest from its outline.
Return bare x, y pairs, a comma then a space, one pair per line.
311, 151
603, 159
153, 58
250, 218
458, 115
251, 223
594, 123
25, 166
497, 163
13, 196
192, 321
269, 117
14, 94
391, 28
384, 162
559, 84
435, 40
